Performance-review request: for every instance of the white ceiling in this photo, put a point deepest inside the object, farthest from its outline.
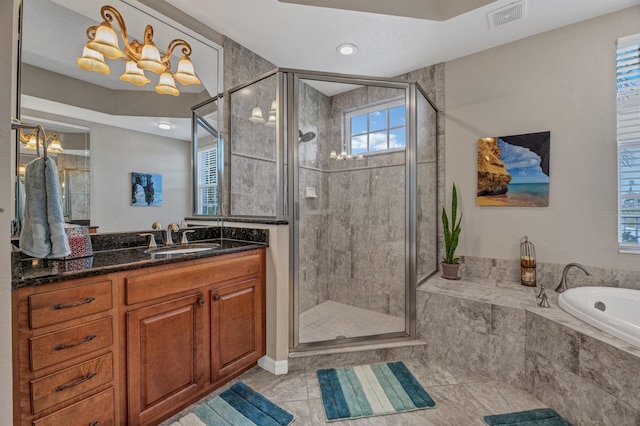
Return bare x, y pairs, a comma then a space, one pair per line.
306, 37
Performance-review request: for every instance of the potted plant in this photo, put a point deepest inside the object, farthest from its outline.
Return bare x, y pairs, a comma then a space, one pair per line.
451, 264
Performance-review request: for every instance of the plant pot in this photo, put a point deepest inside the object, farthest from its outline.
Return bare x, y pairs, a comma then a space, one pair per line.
450, 271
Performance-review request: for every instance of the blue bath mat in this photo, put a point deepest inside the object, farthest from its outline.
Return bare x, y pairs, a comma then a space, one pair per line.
238, 406
537, 417
371, 390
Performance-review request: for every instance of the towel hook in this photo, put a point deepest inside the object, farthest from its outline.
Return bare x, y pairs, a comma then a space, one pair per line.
17, 124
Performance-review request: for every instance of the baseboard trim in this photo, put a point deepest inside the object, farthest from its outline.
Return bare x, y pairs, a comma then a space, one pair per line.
274, 367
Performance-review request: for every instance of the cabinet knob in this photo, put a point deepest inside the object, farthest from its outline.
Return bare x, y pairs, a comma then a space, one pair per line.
201, 302
216, 297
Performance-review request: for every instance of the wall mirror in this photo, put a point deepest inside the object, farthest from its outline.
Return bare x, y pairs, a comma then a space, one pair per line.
208, 149
131, 128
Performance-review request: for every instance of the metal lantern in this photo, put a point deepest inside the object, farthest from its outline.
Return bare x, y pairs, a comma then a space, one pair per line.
527, 263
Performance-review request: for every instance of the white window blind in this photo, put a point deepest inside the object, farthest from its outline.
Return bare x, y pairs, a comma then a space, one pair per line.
628, 137
208, 181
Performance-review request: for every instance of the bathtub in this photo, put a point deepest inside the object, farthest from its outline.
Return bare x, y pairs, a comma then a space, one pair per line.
615, 311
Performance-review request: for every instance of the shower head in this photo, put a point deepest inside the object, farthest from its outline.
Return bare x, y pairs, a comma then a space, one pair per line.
305, 137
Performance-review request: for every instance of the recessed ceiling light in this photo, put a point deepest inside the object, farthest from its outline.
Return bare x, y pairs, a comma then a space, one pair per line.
164, 125
347, 49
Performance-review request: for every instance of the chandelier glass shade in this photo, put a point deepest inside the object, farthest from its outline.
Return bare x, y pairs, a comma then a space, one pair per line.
104, 43
52, 140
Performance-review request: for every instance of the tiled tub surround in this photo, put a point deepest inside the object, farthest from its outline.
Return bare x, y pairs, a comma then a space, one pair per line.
495, 327
126, 251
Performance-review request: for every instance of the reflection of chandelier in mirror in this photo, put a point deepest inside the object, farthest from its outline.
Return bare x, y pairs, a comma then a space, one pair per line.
52, 140
103, 41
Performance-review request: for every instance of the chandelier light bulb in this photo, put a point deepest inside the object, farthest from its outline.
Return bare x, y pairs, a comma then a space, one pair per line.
166, 85
106, 42
185, 73
92, 60
134, 75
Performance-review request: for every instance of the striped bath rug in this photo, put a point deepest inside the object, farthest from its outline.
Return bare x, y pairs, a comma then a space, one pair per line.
371, 390
537, 417
237, 406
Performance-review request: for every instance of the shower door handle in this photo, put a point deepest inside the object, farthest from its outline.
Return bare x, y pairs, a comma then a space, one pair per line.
296, 209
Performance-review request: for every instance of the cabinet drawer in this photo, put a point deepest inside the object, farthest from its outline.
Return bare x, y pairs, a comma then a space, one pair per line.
164, 283
96, 410
71, 382
62, 305
52, 348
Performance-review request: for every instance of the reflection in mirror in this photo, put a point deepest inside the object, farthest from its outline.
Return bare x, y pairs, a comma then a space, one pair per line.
123, 119
207, 151
69, 146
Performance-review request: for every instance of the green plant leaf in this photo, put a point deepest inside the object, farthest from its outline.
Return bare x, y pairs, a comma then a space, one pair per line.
451, 229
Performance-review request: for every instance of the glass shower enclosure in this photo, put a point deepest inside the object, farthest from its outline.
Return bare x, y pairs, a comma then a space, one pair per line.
351, 163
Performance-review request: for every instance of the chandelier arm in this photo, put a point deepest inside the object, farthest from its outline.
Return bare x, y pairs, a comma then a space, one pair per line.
109, 13
91, 32
173, 44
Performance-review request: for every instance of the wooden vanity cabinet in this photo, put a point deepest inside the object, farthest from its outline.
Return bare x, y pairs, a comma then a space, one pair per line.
64, 353
135, 347
190, 327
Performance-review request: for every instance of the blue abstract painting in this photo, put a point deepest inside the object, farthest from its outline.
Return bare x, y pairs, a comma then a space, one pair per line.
146, 189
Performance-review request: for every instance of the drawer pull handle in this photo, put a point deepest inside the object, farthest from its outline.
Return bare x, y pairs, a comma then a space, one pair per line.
216, 297
76, 383
200, 301
73, 305
62, 346
94, 423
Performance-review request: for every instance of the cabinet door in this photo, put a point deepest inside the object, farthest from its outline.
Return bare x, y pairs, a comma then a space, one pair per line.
165, 357
237, 329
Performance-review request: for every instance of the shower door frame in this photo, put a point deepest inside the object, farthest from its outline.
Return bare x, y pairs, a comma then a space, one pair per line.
293, 78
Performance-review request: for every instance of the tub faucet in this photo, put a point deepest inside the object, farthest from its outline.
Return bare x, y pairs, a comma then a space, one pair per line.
169, 239
563, 282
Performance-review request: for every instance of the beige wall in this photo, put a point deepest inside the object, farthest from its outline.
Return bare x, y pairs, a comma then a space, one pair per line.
8, 21
115, 153
562, 81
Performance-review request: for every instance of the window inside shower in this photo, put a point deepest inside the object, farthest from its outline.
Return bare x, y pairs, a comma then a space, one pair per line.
376, 128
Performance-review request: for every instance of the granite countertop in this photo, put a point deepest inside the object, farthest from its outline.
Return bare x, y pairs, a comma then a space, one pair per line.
30, 272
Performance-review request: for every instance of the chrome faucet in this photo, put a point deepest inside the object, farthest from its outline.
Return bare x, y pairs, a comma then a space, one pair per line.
563, 282
168, 241
185, 240
152, 240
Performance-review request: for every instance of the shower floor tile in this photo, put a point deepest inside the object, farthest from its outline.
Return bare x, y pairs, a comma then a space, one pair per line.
330, 320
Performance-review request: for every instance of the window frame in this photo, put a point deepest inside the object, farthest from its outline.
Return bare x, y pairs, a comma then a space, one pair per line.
211, 171
387, 105
628, 136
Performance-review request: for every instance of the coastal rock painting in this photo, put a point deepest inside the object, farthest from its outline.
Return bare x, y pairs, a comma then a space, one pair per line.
514, 170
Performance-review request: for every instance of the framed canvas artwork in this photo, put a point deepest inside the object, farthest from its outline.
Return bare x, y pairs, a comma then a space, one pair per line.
146, 189
514, 170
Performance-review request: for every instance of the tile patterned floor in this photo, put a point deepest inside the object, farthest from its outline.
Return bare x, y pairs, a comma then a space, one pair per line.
330, 319
462, 397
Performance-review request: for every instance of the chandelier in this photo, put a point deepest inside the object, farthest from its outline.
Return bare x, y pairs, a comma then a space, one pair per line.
51, 139
103, 42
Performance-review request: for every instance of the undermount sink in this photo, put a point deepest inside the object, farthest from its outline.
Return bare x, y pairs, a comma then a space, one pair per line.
167, 251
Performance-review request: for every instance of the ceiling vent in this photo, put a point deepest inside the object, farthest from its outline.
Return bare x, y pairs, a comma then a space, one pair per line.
510, 13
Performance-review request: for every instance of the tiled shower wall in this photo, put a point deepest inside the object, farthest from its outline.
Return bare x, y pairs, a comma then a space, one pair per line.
352, 237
